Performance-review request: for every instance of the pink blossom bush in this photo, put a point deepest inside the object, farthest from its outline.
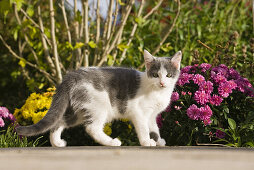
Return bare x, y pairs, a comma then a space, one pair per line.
203, 100
5, 117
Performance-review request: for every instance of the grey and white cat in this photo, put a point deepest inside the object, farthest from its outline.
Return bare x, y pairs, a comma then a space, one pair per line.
94, 96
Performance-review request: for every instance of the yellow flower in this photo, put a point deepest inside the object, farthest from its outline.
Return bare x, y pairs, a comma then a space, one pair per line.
35, 107
107, 129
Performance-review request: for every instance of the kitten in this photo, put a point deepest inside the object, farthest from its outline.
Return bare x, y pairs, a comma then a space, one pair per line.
94, 96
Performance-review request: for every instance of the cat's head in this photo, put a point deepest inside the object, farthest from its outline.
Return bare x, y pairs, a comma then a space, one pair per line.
162, 72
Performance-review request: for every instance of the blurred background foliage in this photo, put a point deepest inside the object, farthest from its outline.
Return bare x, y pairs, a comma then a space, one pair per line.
217, 32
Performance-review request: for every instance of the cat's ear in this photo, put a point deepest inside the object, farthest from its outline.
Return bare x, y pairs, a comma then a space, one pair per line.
148, 59
176, 59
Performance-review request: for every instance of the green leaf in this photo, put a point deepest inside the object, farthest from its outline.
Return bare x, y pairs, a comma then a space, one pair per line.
139, 20
232, 123
19, 3
121, 3
78, 45
30, 10
121, 47
15, 34
22, 63
68, 45
5, 7
41, 86
92, 44
166, 47
110, 60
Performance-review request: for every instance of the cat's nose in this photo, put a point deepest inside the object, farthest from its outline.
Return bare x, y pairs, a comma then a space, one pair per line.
162, 84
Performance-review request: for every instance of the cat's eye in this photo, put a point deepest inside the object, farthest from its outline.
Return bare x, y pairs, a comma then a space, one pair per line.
155, 75
169, 75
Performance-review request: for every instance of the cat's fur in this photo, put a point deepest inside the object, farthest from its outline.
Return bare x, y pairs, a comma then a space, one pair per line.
94, 96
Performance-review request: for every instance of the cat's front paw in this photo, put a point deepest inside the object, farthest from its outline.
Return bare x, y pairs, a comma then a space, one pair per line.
161, 142
149, 142
115, 142
59, 143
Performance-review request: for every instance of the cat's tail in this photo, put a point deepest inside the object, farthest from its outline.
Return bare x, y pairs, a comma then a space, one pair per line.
55, 113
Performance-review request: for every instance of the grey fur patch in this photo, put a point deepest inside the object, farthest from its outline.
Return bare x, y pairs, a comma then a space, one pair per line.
154, 136
122, 84
154, 68
165, 62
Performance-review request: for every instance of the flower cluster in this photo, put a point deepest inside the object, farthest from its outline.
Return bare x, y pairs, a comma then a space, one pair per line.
35, 108
5, 115
207, 87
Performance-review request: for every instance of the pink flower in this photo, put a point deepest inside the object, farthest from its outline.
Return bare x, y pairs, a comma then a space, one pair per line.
220, 134
225, 88
206, 86
177, 107
184, 79
198, 79
207, 122
216, 100
1, 122
201, 97
186, 69
175, 96
11, 118
4, 112
205, 113
159, 121
218, 78
183, 93
245, 86
193, 112
222, 69
205, 66
234, 74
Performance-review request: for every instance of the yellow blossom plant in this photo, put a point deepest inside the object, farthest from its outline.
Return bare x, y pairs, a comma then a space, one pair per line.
35, 107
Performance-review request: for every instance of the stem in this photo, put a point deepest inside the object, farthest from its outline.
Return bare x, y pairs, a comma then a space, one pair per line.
47, 75
98, 27
65, 20
54, 44
118, 35
86, 52
133, 31
44, 44
36, 25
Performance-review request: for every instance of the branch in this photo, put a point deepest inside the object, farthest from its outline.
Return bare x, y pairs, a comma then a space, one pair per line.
98, 27
153, 9
76, 31
118, 35
53, 38
110, 11
115, 17
206, 46
37, 26
44, 44
133, 30
65, 20
86, 30
25, 36
47, 75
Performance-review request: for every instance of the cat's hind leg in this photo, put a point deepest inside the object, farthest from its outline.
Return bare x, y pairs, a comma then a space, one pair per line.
55, 137
95, 130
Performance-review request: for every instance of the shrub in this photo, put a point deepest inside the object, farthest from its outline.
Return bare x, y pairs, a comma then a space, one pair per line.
210, 103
